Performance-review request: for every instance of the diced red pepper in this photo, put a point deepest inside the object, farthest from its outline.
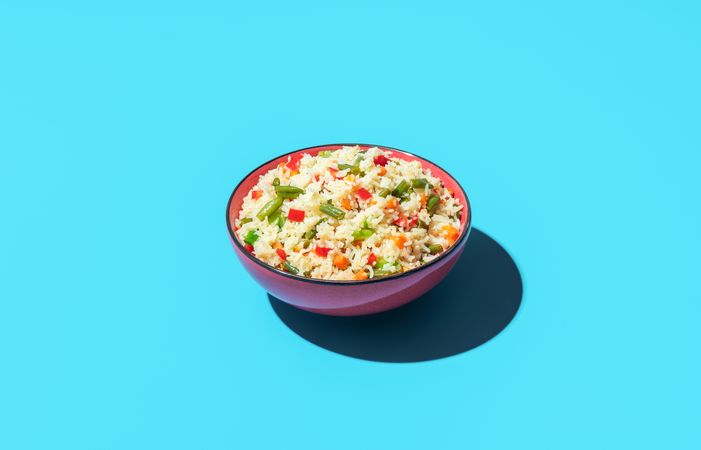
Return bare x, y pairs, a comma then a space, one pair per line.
293, 163
281, 253
412, 222
322, 251
372, 259
401, 221
248, 247
295, 215
363, 193
380, 160
256, 194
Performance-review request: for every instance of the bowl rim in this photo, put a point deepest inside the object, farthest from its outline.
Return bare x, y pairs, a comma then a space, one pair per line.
463, 234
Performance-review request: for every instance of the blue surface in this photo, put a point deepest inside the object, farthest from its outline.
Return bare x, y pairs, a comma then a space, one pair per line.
127, 323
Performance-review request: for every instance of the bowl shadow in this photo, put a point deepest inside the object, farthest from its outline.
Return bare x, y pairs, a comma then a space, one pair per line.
474, 303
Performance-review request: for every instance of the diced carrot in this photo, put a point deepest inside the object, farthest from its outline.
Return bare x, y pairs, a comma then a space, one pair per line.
341, 262
451, 233
423, 200
399, 241
346, 203
392, 203
255, 195
277, 245
361, 275
382, 171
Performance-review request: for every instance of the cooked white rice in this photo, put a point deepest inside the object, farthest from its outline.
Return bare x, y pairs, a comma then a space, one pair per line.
399, 230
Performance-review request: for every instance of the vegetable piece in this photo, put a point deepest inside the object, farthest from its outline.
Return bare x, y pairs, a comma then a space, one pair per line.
401, 189
392, 203
384, 193
346, 203
287, 195
399, 241
269, 208
281, 221
251, 237
245, 220
420, 183
295, 215
382, 171
332, 211
380, 160
360, 275
401, 221
435, 248
274, 216
248, 247
287, 267
363, 234
276, 181
293, 163
432, 203
363, 193
381, 263
451, 233
325, 153
322, 251
341, 262
288, 189
422, 224
372, 259
382, 273
255, 195
281, 253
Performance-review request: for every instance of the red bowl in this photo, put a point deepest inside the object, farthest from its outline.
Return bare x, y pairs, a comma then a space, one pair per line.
342, 297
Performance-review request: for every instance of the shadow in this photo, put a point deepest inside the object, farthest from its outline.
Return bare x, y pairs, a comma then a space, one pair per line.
473, 304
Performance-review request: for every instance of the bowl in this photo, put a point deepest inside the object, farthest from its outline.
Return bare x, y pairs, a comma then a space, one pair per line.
348, 297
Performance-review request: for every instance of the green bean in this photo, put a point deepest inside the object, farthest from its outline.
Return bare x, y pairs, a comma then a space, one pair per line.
281, 221
363, 234
384, 193
288, 194
332, 211
311, 233
274, 216
245, 220
251, 237
269, 208
289, 189
401, 189
432, 203
276, 181
345, 166
435, 248
290, 268
381, 273
325, 153
420, 183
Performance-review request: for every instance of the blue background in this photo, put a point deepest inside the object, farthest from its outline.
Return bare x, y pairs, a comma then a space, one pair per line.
127, 323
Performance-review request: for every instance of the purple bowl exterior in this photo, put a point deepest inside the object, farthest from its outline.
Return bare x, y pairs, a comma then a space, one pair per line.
356, 299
